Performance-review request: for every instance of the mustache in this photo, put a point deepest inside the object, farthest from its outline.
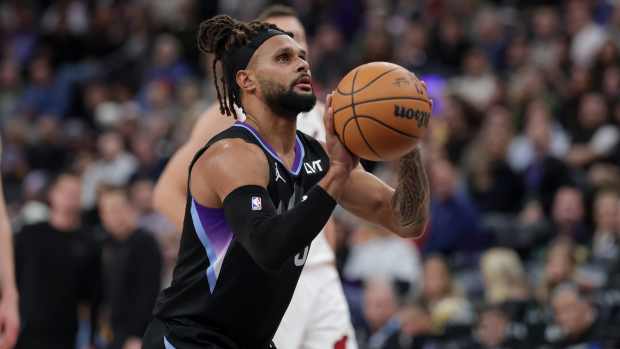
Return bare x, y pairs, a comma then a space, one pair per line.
305, 78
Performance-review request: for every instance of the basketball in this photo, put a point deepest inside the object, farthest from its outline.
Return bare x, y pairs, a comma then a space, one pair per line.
380, 111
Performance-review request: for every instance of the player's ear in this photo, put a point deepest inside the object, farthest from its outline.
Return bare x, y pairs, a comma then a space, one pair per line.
246, 80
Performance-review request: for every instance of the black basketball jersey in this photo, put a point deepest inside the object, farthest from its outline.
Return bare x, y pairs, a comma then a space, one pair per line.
219, 294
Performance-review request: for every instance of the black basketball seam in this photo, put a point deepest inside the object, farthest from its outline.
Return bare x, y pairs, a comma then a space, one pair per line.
359, 129
382, 100
367, 84
387, 126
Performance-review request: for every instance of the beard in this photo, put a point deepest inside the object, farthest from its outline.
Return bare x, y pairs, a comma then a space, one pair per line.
285, 101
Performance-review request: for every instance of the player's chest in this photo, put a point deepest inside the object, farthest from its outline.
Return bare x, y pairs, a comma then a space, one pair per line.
286, 189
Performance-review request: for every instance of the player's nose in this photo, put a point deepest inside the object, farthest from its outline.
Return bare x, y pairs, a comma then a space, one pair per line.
303, 66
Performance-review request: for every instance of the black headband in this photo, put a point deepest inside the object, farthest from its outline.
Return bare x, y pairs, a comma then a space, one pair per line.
239, 57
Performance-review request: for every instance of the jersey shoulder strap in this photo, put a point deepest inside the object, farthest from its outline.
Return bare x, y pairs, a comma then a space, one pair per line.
229, 133
312, 145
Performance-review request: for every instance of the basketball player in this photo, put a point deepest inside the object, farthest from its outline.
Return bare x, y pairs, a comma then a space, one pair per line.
274, 188
318, 316
9, 316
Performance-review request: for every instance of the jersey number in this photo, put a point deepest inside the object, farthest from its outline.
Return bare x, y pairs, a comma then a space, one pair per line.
300, 259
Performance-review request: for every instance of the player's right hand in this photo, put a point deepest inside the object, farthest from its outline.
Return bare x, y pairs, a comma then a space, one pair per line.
340, 157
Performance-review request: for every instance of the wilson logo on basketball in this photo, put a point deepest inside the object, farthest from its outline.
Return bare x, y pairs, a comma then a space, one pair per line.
409, 113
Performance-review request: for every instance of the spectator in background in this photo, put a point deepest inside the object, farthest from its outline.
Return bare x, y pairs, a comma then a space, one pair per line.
329, 61
546, 30
47, 153
191, 107
606, 58
58, 267
490, 35
494, 186
605, 242
452, 319
568, 215
592, 140
132, 269
115, 166
450, 312
541, 137
454, 225
437, 283
604, 262
507, 291
477, 85
492, 330
10, 88
141, 195
380, 254
416, 329
449, 44
144, 148
578, 322
14, 160
560, 266
159, 98
412, 51
504, 276
380, 312
456, 127
167, 64
39, 96
34, 191
587, 36
613, 279
537, 153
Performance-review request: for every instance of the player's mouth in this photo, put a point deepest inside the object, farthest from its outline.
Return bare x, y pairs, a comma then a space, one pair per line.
304, 83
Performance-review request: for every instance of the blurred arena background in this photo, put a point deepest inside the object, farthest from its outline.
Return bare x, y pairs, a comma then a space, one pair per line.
523, 153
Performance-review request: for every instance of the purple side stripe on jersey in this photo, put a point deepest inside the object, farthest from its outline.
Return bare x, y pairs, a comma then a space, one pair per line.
299, 149
215, 236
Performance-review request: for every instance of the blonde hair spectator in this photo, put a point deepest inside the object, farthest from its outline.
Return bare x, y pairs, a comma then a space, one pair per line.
504, 276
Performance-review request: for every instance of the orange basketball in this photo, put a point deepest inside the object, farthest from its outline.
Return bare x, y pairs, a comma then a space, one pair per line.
380, 111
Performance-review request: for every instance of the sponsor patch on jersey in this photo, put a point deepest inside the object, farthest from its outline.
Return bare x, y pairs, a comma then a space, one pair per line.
257, 203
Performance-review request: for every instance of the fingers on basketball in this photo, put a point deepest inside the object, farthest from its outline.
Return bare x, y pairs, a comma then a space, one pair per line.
329, 116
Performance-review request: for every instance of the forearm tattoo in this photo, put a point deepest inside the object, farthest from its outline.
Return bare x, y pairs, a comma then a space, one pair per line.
411, 199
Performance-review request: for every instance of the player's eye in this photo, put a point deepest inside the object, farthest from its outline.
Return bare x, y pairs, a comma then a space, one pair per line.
283, 58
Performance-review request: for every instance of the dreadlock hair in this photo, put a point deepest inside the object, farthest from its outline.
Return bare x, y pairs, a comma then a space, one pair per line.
219, 35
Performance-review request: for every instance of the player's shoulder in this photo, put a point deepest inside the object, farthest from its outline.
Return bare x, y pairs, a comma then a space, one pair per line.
233, 150
229, 163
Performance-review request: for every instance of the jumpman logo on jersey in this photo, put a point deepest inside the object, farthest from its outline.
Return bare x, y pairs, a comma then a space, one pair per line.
278, 175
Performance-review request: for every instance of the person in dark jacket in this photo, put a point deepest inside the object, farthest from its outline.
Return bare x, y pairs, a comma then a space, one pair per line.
57, 269
132, 265
578, 323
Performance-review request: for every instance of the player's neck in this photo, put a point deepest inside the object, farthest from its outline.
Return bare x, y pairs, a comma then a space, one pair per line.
277, 130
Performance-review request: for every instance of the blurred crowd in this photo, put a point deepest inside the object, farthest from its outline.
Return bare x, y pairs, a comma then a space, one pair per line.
523, 154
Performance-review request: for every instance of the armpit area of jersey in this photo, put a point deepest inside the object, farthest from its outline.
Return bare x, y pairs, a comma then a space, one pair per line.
272, 238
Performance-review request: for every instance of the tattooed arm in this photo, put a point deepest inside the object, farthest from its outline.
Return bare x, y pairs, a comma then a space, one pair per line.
404, 211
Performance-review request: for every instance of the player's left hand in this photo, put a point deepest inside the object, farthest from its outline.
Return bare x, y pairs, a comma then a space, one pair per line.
9, 322
426, 89
339, 155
